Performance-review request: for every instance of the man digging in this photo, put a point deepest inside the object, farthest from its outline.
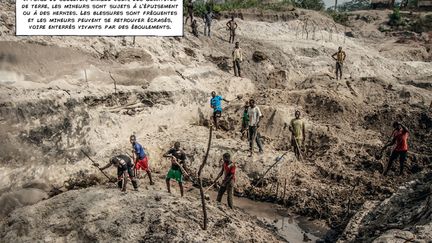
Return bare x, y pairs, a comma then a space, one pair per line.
400, 138
178, 158
124, 168
140, 158
229, 169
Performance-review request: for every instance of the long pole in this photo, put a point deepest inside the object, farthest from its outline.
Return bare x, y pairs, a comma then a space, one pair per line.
277, 161
200, 180
115, 83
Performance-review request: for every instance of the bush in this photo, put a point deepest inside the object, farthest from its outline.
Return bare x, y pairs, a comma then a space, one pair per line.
243, 4
310, 4
217, 9
423, 24
395, 18
237, 4
339, 17
200, 7
354, 5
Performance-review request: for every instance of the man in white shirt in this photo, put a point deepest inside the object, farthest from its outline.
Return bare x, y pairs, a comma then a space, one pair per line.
237, 59
255, 116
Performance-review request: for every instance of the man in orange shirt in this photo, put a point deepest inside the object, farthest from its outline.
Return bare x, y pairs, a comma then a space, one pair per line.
400, 138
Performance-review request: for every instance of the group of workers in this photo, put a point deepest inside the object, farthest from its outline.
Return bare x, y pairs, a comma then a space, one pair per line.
128, 169
250, 123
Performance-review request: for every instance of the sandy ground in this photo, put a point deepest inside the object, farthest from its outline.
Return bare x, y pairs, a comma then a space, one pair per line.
52, 109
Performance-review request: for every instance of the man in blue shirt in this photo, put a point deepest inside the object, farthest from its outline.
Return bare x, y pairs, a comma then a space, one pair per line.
216, 104
140, 158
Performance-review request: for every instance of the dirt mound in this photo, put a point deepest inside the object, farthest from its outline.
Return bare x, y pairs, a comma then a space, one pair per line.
406, 215
101, 214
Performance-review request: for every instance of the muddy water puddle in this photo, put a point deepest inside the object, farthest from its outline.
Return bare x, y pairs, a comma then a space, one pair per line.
292, 228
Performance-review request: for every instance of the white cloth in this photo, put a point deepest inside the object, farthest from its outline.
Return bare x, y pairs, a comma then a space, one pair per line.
254, 115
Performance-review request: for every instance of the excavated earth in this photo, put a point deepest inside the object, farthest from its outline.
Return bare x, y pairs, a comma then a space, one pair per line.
61, 95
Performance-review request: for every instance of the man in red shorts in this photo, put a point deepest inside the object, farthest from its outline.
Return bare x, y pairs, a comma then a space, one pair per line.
400, 138
140, 158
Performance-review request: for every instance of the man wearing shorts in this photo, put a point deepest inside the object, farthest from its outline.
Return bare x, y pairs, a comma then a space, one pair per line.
178, 159
124, 168
140, 158
216, 104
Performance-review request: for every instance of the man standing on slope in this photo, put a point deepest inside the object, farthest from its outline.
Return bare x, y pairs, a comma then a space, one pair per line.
231, 26
339, 57
237, 59
140, 158
124, 168
400, 138
297, 128
255, 116
178, 159
194, 28
190, 9
245, 121
229, 168
208, 17
216, 104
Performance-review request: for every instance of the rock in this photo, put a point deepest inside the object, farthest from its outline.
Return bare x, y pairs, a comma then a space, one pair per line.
259, 56
190, 52
349, 34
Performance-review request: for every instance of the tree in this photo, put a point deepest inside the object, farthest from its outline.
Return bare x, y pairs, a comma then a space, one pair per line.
310, 4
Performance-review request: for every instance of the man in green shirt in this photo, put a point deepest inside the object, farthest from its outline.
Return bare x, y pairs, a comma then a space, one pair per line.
297, 129
245, 121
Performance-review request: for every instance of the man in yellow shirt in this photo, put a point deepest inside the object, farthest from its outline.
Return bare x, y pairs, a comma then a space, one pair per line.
297, 128
237, 59
339, 57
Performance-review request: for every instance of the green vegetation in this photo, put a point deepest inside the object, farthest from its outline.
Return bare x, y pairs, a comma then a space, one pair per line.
200, 6
395, 18
339, 17
423, 24
354, 5
310, 4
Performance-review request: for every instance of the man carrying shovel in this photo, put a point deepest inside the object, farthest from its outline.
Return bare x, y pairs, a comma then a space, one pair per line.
124, 168
178, 158
400, 138
297, 128
229, 169
140, 158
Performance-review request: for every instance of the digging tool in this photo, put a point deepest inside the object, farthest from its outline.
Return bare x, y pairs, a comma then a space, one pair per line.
208, 188
278, 159
94, 164
184, 171
298, 148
